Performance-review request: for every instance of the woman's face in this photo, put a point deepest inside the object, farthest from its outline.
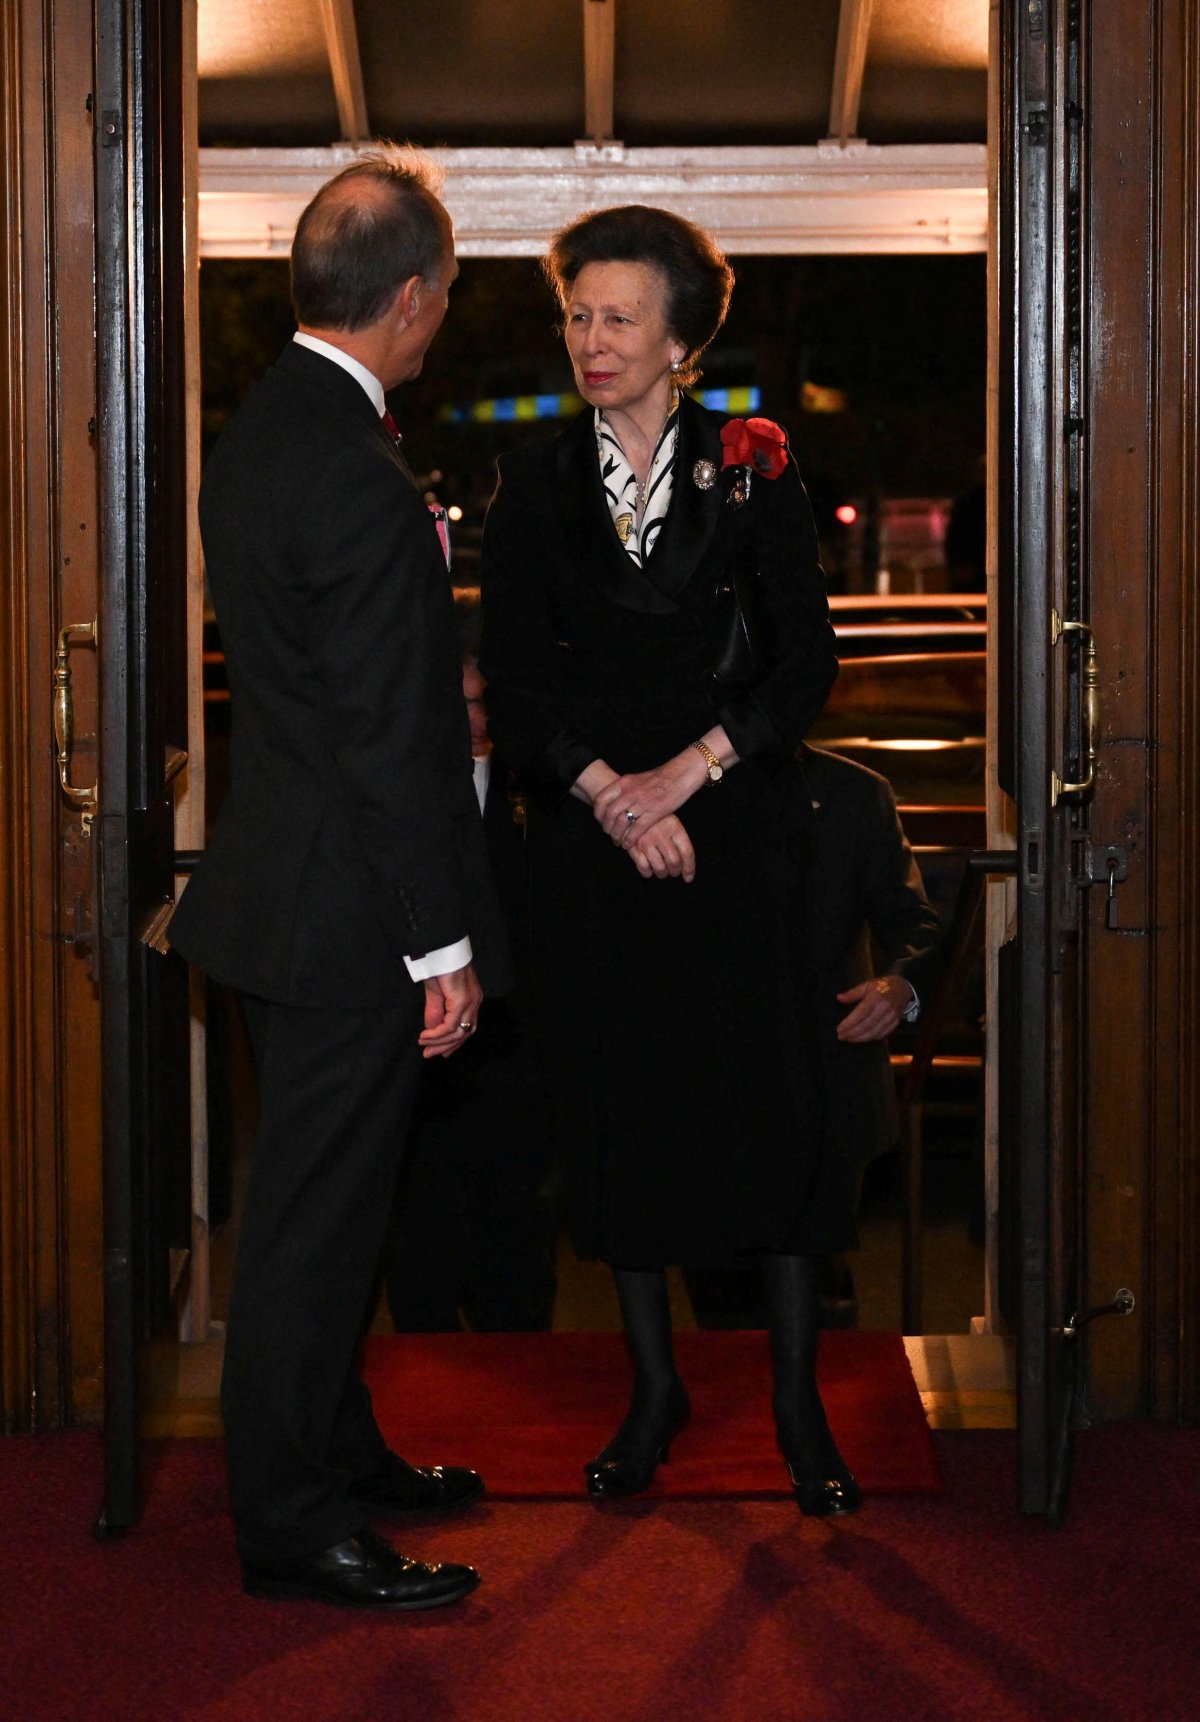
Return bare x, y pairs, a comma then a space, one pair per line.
617, 334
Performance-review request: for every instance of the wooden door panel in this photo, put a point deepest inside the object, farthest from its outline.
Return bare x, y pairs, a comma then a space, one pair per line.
50, 1178
1171, 1330
1119, 453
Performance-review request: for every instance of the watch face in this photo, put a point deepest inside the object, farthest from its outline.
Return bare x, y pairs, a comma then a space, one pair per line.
716, 773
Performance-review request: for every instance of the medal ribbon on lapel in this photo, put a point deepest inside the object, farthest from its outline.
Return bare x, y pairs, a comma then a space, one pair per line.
443, 529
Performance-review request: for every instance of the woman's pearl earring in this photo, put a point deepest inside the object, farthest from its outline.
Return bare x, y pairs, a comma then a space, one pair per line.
676, 364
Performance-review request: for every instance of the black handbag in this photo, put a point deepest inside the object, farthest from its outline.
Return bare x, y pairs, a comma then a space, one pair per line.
745, 633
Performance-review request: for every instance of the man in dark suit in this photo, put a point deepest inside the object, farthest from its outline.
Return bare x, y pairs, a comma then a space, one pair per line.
866, 889
345, 894
865, 895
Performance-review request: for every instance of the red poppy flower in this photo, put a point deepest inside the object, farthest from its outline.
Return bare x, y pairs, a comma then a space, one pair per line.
757, 443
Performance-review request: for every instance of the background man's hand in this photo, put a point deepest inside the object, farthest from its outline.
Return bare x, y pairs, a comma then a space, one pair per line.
451, 1012
878, 1006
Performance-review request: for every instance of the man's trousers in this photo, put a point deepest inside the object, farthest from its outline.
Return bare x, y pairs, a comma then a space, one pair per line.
336, 1088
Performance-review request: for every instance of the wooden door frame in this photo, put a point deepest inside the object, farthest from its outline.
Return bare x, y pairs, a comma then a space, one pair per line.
50, 1176
1037, 428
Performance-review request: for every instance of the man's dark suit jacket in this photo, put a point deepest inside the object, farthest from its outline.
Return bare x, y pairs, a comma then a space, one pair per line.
864, 884
351, 835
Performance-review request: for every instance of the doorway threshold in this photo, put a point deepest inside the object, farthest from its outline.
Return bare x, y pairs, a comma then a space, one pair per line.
180, 1387
966, 1380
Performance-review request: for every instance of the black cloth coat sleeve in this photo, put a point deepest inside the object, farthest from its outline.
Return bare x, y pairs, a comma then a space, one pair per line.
769, 720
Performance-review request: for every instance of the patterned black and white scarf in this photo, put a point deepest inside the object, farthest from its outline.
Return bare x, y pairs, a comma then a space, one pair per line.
638, 518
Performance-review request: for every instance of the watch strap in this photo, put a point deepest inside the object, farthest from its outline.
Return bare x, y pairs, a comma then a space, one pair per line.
715, 769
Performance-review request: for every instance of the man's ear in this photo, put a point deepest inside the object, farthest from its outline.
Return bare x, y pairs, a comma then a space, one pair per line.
407, 301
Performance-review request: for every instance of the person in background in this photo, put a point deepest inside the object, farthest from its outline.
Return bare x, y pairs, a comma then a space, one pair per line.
473, 1235
864, 894
345, 895
965, 549
656, 642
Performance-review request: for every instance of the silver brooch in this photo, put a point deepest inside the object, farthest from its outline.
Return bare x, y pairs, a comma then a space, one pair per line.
704, 475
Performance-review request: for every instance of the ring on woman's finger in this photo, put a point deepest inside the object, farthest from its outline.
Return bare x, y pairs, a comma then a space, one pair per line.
631, 817
466, 1027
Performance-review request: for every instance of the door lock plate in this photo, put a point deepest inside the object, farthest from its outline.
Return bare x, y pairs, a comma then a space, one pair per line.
1098, 866
1106, 866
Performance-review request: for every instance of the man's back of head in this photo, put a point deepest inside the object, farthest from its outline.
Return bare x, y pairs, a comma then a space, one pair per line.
373, 226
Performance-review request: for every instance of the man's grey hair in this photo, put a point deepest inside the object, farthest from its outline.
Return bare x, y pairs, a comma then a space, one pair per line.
369, 229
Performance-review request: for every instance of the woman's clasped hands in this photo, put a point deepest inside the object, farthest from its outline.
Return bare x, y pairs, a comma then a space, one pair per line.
664, 851
637, 812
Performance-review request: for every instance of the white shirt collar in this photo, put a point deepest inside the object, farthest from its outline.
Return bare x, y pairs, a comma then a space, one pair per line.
366, 379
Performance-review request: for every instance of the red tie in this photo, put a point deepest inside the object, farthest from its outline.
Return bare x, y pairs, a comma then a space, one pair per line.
390, 426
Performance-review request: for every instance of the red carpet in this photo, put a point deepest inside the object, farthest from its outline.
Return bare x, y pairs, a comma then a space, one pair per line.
931, 1609
530, 1409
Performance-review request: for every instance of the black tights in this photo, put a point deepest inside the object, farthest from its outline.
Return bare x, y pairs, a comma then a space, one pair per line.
793, 1302
646, 1313
792, 1285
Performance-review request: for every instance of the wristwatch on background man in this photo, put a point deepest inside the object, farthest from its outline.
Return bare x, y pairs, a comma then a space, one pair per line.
716, 770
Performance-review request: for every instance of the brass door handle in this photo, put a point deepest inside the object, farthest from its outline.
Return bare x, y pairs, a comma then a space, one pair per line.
175, 758
64, 715
1090, 677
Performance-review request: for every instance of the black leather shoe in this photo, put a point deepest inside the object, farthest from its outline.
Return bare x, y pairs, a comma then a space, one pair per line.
627, 1465
401, 1489
362, 1572
825, 1497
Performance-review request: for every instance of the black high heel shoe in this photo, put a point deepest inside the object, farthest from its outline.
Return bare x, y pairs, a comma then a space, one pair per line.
627, 1465
822, 1482
825, 1496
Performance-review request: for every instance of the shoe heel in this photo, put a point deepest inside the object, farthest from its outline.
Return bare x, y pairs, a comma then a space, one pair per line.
609, 1475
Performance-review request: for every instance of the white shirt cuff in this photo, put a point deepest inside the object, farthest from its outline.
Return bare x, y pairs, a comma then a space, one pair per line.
912, 1009
440, 962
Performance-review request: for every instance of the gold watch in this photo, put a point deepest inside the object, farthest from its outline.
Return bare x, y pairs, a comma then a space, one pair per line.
716, 770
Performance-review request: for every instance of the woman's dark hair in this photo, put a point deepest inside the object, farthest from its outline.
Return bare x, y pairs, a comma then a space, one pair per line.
366, 232
699, 280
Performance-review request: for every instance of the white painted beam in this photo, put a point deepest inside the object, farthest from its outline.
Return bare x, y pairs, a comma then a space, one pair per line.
507, 202
849, 67
599, 61
345, 66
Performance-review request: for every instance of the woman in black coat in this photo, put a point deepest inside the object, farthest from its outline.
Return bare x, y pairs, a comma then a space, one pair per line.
656, 642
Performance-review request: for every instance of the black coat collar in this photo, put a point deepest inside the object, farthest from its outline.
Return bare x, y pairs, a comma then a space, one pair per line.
314, 370
319, 372
687, 529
